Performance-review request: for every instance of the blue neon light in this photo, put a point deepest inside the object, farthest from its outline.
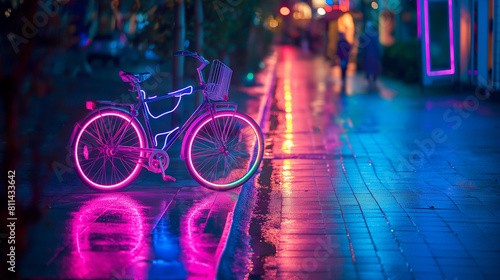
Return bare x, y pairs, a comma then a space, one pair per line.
171, 93
167, 133
174, 93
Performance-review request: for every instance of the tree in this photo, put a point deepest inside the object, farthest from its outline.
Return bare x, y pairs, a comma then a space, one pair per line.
27, 44
221, 29
198, 37
178, 63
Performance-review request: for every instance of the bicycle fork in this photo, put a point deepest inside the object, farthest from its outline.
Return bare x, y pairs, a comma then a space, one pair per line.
217, 130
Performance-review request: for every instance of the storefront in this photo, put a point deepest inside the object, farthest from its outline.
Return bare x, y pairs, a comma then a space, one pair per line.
457, 42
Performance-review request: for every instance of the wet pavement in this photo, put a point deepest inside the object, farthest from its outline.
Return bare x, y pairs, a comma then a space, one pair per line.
150, 230
154, 231
356, 183
360, 183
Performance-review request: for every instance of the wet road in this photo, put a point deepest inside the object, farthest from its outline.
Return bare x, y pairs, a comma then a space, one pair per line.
362, 183
150, 230
356, 184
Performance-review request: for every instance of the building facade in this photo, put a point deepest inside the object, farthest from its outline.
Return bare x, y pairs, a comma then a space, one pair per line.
459, 42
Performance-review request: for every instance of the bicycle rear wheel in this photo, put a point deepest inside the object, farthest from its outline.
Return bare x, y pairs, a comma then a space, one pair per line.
225, 151
102, 160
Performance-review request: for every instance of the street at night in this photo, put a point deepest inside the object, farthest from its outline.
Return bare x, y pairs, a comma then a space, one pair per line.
339, 196
323, 139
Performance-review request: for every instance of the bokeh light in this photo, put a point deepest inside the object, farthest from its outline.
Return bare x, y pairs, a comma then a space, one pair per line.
284, 11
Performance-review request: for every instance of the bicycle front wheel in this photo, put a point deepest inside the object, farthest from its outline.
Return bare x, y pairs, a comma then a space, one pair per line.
225, 151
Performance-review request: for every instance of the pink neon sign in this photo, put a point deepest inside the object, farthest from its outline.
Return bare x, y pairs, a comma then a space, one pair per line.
427, 51
419, 21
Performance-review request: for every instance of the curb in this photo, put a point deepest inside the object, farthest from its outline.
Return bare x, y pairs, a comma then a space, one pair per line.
242, 210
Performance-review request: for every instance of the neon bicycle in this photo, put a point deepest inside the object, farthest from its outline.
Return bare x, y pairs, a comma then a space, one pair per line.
222, 148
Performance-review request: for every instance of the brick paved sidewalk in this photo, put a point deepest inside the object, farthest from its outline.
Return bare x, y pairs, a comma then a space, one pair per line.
373, 184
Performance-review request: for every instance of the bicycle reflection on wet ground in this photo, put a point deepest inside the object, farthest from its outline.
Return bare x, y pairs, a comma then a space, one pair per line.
123, 235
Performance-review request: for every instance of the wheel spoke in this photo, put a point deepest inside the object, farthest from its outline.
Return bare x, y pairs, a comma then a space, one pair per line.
226, 164
205, 145
209, 140
118, 170
100, 167
100, 129
90, 167
205, 162
203, 153
94, 137
226, 127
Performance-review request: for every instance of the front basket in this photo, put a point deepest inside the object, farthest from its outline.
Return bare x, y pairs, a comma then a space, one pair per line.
219, 79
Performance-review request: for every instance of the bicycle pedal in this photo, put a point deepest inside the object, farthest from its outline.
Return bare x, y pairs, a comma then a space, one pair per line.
168, 178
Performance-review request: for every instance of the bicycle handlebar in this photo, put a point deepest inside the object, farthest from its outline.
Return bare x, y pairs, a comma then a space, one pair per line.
203, 61
183, 53
192, 54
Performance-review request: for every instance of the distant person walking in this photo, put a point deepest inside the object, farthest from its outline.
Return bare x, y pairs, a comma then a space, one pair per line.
371, 54
343, 52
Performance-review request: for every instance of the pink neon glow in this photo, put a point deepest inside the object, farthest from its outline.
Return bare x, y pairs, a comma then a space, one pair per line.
345, 6
90, 105
418, 20
190, 144
86, 152
197, 257
137, 167
197, 241
427, 52
121, 235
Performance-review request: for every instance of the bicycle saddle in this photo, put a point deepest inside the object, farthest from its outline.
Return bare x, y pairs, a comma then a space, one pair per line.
134, 77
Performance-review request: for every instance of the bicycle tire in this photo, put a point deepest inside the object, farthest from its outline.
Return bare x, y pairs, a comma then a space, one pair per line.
90, 145
236, 131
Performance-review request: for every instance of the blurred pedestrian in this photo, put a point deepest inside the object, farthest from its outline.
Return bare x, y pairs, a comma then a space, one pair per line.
304, 40
343, 52
371, 54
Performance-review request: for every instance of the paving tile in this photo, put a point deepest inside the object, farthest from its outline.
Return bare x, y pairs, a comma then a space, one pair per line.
400, 220
371, 275
397, 271
427, 275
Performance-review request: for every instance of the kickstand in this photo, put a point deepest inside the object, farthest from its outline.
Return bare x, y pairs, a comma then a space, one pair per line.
165, 177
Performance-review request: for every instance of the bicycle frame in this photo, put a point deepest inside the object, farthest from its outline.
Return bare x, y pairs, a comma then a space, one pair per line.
206, 106
111, 144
